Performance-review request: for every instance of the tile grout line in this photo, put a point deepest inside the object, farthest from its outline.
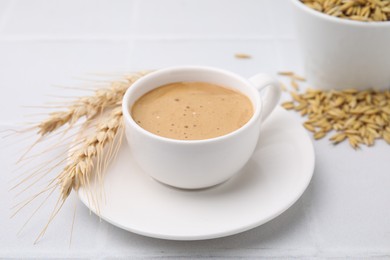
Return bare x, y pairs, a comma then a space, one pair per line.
167, 37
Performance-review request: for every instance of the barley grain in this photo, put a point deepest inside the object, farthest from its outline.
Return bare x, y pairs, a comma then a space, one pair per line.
242, 56
288, 105
359, 116
286, 73
295, 85
319, 135
358, 10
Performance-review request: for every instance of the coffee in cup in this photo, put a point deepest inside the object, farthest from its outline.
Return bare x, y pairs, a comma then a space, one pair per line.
192, 110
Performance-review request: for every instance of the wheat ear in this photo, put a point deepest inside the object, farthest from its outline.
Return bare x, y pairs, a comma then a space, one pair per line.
98, 142
89, 106
78, 171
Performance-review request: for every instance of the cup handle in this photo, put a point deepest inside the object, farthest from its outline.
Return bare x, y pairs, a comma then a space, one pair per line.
270, 92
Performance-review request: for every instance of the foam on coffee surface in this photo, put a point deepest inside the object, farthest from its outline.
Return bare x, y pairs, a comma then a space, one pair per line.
192, 110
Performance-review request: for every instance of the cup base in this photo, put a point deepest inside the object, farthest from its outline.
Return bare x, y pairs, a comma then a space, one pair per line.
189, 189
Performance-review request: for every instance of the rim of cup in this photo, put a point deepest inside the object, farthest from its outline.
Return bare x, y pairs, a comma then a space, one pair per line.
334, 19
129, 119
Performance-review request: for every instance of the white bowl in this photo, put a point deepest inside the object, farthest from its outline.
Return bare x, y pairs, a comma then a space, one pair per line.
340, 53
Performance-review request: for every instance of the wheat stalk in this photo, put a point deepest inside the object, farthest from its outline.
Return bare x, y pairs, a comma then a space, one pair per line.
81, 162
89, 153
89, 106
89, 160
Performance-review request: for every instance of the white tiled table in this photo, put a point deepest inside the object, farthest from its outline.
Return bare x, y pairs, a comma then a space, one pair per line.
344, 213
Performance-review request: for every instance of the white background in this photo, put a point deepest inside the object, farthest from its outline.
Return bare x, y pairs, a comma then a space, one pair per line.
345, 212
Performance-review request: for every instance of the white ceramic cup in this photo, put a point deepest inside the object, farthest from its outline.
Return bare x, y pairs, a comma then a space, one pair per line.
340, 53
195, 164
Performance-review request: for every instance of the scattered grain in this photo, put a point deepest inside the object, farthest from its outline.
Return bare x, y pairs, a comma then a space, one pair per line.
319, 135
286, 73
295, 85
242, 56
288, 105
360, 117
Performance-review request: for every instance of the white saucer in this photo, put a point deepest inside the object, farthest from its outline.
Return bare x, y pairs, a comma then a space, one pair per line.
274, 178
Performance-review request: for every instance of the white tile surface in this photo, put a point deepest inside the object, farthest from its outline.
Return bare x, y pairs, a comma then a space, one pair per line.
220, 53
40, 65
349, 210
344, 213
204, 18
282, 18
70, 17
5, 7
288, 55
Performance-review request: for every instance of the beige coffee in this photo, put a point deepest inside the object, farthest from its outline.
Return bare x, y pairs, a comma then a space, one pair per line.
192, 110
